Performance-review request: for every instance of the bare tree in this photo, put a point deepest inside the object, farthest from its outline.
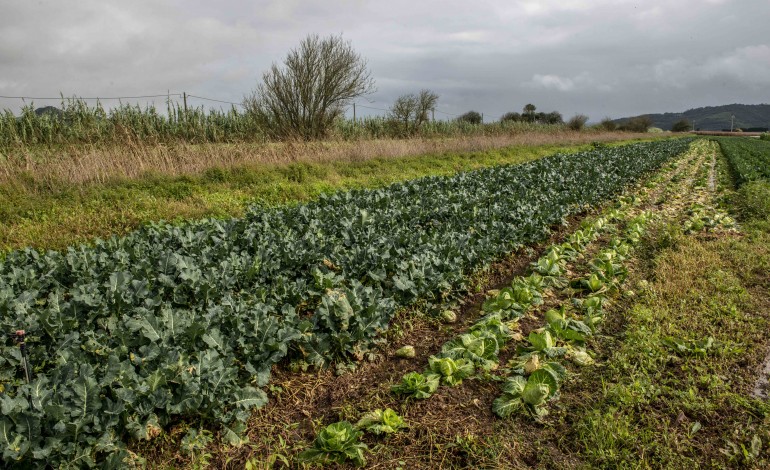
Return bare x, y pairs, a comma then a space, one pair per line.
317, 81
426, 101
410, 111
403, 112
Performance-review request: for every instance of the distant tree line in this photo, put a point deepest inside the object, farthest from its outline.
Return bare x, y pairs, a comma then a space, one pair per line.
529, 114
322, 77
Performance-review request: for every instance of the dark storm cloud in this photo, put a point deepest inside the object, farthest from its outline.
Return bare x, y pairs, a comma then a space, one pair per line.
597, 57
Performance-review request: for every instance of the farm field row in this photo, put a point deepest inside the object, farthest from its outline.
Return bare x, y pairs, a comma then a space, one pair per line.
131, 334
632, 339
749, 158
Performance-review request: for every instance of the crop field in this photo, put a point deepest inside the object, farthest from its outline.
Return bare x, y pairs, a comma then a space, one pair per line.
749, 159
604, 308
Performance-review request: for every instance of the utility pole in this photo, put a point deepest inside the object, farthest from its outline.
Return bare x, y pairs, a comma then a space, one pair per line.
354, 113
184, 98
482, 118
433, 114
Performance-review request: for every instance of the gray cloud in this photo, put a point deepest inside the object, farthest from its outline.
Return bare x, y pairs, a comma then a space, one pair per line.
597, 57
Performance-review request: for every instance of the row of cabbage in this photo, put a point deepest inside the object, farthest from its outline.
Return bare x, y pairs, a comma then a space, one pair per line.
477, 350
130, 333
535, 375
538, 369
749, 159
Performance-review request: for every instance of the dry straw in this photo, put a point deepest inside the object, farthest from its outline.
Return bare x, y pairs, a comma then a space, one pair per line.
97, 163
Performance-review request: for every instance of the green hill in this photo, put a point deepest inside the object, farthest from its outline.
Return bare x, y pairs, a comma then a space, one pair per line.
748, 117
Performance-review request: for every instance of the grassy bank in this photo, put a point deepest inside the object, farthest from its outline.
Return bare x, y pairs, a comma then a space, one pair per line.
58, 202
659, 406
49, 167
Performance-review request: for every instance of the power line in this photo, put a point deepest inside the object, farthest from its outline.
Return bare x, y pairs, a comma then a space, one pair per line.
165, 95
448, 114
369, 107
212, 99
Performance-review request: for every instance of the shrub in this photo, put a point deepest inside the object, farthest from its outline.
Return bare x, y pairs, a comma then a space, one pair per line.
554, 117
472, 117
637, 124
682, 125
511, 116
577, 122
608, 124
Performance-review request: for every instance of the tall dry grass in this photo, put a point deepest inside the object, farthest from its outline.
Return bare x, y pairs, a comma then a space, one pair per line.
84, 164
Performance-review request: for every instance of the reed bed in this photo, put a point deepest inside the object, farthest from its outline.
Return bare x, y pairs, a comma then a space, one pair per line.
75, 122
99, 163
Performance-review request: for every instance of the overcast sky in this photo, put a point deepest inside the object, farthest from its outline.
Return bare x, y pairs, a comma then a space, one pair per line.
597, 57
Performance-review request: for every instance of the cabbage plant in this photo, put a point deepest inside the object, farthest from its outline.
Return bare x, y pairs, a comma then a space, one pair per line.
336, 443
417, 385
544, 343
566, 328
381, 422
452, 371
531, 393
480, 347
